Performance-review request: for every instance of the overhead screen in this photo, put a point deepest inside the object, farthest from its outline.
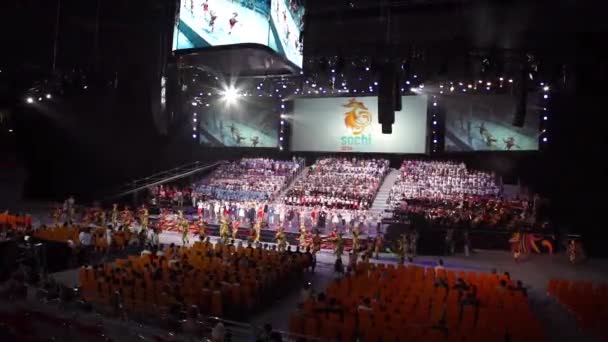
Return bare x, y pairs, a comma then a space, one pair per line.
485, 123
349, 124
277, 24
248, 122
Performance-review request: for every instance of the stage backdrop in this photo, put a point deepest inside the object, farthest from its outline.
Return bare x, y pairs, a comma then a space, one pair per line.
347, 124
205, 23
485, 123
248, 122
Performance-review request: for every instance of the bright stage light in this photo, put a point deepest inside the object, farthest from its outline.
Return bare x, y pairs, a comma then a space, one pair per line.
545, 118
546, 96
40, 99
546, 88
545, 139
283, 116
29, 100
230, 95
48, 96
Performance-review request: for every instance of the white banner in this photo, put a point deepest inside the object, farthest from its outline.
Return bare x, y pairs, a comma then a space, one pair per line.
350, 124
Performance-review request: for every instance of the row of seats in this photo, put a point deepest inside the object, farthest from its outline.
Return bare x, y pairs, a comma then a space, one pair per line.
397, 303
220, 280
587, 302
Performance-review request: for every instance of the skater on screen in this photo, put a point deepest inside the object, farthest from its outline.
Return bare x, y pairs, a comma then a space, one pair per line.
510, 143
232, 21
239, 138
212, 17
255, 141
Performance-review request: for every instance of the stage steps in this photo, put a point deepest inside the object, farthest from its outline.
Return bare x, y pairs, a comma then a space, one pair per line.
380, 204
293, 181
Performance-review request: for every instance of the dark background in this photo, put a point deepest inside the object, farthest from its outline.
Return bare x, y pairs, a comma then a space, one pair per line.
87, 141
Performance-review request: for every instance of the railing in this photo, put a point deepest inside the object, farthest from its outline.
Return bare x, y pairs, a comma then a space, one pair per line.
163, 177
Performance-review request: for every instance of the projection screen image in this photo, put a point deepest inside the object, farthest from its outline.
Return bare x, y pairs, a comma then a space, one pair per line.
244, 123
277, 24
350, 124
485, 123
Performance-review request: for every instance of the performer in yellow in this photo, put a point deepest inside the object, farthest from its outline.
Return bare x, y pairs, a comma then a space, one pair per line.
144, 217
102, 218
356, 235
185, 226
114, 217
257, 229
126, 217
56, 216
302, 237
378, 244
339, 248
281, 239
224, 230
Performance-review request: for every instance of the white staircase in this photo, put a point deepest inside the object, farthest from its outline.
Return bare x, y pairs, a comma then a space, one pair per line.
380, 204
296, 178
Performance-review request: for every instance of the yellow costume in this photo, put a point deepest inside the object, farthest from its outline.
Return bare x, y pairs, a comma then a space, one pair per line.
185, 226
257, 227
144, 218
224, 230
281, 240
114, 214
339, 245
302, 238
356, 234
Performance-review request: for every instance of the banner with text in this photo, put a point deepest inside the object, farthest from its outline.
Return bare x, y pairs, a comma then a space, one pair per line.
350, 124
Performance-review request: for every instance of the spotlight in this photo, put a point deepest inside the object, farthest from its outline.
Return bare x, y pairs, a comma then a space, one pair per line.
421, 86
545, 139
281, 148
489, 84
545, 96
230, 94
29, 100
545, 118
451, 88
434, 141
40, 99
480, 81
470, 86
366, 68
501, 79
194, 104
194, 136
546, 88
10, 130
434, 104
85, 87
283, 116
434, 123
48, 96
194, 120
282, 122
510, 80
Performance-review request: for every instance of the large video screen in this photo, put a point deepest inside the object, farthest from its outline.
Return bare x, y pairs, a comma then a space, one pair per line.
205, 23
287, 25
485, 123
244, 123
350, 124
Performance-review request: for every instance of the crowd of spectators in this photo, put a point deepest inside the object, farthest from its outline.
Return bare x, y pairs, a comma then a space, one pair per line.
442, 180
446, 194
339, 183
250, 179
